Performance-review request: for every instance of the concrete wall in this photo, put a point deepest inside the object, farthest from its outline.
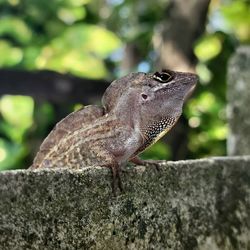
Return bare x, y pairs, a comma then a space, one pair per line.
199, 204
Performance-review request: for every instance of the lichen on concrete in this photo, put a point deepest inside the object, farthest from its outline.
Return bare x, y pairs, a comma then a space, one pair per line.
198, 204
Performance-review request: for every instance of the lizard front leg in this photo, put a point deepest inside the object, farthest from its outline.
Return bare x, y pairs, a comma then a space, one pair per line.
102, 157
116, 175
116, 181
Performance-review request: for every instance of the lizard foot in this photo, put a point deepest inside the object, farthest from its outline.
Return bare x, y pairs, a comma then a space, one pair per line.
147, 163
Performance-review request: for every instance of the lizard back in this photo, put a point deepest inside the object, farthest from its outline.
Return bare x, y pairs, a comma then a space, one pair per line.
69, 124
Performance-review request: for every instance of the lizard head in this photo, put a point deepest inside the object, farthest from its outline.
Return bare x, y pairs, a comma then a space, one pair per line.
149, 103
150, 97
164, 93
161, 100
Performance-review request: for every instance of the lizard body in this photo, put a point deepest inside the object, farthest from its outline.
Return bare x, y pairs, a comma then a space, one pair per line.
138, 110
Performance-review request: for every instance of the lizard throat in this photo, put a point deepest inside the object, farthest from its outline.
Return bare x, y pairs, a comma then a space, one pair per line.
155, 131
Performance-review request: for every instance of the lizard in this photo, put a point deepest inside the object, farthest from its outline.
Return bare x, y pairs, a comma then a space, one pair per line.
137, 110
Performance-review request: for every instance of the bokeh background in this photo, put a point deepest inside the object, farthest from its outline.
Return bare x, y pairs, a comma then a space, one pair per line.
58, 55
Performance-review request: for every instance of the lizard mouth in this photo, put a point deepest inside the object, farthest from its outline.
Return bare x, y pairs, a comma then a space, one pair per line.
190, 92
190, 83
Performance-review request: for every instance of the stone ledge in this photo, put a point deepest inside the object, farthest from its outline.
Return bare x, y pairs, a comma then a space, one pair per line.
195, 204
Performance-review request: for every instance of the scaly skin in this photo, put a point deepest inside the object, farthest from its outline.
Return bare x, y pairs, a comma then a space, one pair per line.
138, 110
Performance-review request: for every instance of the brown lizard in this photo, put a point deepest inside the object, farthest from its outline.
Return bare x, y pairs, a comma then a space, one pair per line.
138, 110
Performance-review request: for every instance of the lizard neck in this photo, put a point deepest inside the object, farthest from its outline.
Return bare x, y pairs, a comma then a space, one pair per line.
128, 111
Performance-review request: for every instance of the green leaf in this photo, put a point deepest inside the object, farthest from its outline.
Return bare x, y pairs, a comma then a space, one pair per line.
90, 38
208, 47
10, 154
80, 50
17, 112
70, 15
81, 64
16, 28
237, 16
10, 55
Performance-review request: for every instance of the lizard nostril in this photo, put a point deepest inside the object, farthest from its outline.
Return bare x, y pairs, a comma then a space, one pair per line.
144, 96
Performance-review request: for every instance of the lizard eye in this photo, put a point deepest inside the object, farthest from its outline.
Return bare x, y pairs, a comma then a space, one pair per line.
162, 77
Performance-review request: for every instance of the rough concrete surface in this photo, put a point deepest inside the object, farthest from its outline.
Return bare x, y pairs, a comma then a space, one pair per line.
238, 94
196, 204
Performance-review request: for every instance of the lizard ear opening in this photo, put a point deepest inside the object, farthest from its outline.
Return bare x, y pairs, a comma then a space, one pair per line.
144, 96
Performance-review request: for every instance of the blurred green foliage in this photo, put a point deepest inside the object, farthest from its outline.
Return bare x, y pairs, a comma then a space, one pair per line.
86, 38
17, 118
